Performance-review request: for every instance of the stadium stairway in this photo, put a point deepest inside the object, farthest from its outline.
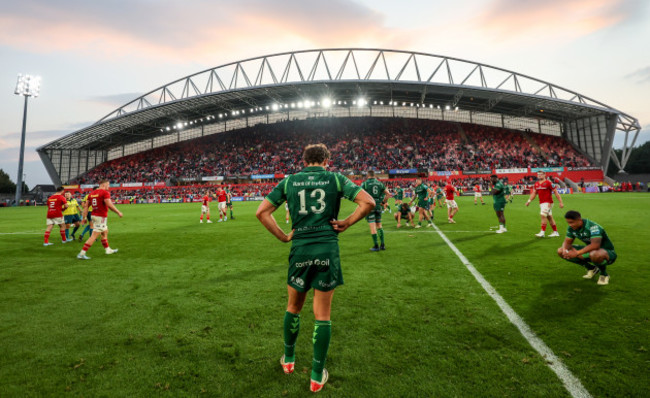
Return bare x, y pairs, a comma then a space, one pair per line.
534, 143
571, 184
462, 134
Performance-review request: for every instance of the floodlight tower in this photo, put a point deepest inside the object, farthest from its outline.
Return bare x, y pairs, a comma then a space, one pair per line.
27, 86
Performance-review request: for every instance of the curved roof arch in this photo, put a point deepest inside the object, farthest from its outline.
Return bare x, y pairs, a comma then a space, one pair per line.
347, 64
271, 82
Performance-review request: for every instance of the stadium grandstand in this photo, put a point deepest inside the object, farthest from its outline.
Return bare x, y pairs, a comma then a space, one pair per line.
405, 113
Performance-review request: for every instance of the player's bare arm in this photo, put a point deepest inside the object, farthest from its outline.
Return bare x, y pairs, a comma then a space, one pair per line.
265, 215
84, 220
110, 205
533, 193
365, 204
559, 198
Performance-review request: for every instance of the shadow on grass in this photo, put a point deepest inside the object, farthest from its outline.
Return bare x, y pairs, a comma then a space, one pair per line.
565, 299
236, 275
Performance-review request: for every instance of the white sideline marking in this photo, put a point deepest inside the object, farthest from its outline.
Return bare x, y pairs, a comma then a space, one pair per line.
413, 231
571, 383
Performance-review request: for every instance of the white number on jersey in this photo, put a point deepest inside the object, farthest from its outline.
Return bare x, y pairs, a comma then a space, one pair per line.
314, 209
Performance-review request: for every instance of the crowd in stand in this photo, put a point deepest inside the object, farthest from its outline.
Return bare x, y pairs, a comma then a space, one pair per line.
357, 144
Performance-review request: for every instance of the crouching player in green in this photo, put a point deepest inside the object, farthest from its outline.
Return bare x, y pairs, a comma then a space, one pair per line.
314, 198
596, 255
404, 212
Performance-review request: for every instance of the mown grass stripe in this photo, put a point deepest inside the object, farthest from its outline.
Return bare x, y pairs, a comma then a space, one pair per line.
571, 383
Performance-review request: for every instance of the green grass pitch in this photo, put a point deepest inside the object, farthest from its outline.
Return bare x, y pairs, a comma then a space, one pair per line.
189, 309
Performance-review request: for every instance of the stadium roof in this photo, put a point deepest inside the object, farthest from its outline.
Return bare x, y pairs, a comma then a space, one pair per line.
332, 82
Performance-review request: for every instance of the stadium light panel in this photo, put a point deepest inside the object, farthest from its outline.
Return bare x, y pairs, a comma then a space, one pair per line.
447, 107
220, 116
326, 102
28, 85
275, 107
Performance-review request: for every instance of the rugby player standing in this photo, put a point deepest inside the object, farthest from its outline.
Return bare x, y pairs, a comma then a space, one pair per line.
498, 194
205, 207
100, 200
421, 193
55, 206
314, 197
545, 189
452, 206
378, 191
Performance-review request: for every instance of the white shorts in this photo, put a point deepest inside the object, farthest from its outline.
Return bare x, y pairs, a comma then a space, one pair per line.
546, 209
204, 209
451, 204
222, 205
54, 221
478, 195
100, 224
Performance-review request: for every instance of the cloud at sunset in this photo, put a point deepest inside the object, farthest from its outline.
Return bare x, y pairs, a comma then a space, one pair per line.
559, 19
190, 29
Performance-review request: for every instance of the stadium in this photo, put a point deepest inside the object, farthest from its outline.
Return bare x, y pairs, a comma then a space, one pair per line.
454, 309
345, 83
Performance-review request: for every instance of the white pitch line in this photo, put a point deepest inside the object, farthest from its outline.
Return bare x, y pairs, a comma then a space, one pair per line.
23, 233
413, 231
571, 383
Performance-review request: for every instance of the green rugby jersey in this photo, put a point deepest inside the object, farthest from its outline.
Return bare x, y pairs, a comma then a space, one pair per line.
501, 195
422, 192
588, 231
508, 189
314, 198
375, 188
439, 193
399, 193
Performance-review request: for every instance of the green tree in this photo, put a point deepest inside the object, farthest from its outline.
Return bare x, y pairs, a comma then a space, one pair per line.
8, 186
639, 162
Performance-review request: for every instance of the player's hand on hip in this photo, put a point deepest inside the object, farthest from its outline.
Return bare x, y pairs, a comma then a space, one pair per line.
289, 237
339, 225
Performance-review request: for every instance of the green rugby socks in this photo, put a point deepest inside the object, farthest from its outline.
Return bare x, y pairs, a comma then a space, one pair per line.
291, 329
374, 239
380, 233
321, 340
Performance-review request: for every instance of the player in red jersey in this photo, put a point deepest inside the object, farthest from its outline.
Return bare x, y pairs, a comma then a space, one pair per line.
222, 197
100, 200
478, 194
55, 206
545, 189
205, 207
452, 206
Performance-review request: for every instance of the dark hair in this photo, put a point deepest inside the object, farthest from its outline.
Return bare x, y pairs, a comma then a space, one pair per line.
371, 173
572, 215
59, 189
316, 153
494, 175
